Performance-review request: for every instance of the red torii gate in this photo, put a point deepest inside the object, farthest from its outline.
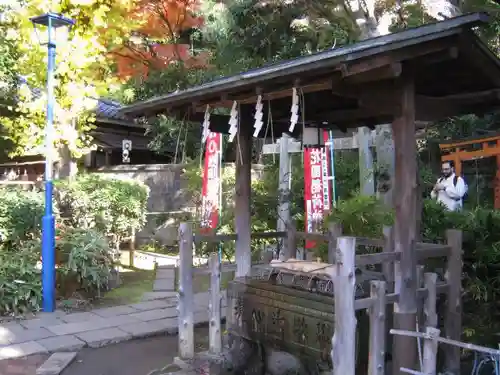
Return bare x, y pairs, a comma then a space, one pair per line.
459, 151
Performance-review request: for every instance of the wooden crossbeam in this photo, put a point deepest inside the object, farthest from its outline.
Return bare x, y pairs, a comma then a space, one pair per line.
295, 147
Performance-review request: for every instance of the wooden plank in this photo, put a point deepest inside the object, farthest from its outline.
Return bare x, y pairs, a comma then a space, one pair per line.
405, 203
214, 306
365, 241
186, 296
343, 344
366, 303
377, 258
334, 231
430, 313
436, 252
312, 236
430, 351
291, 242
376, 365
214, 238
463, 345
233, 236
453, 317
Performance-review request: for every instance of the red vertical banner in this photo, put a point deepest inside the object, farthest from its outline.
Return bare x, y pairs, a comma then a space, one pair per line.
313, 192
211, 183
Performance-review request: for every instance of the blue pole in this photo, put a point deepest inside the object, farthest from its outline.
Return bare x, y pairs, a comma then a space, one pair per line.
48, 230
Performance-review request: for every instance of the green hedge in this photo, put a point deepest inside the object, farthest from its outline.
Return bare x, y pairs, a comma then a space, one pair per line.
93, 214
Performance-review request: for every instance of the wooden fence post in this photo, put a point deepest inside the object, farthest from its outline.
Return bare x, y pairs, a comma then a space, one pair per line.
214, 306
376, 365
431, 318
291, 241
186, 296
420, 308
334, 231
343, 342
453, 316
388, 267
430, 351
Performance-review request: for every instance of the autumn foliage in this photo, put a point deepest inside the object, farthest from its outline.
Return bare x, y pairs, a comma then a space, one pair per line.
155, 43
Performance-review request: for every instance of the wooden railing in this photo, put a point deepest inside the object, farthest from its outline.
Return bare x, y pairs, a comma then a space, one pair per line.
342, 250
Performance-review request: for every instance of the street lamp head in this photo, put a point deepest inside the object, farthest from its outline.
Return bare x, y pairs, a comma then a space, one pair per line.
52, 21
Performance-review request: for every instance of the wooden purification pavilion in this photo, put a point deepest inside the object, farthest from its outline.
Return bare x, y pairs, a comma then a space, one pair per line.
425, 73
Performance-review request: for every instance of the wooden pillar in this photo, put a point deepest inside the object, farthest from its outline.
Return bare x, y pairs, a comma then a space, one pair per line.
242, 199
284, 185
186, 296
405, 202
290, 247
214, 305
376, 364
385, 163
497, 181
458, 163
453, 317
343, 342
334, 231
366, 175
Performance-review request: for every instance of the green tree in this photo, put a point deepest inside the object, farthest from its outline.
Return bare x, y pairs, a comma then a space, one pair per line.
83, 71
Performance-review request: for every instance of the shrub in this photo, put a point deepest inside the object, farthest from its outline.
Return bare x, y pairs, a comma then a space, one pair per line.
85, 260
362, 216
20, 215
110, 206
20, 280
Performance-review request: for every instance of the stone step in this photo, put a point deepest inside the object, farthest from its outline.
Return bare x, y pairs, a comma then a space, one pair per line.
56, 363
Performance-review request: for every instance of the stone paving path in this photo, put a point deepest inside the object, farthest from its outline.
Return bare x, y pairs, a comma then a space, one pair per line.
60, 331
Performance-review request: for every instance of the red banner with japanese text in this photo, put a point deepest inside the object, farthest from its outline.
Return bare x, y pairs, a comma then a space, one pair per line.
210, 203
325, 168
314, 192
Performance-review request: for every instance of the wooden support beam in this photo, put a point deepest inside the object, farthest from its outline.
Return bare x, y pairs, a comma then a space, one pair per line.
243, 216
186, 295
405, 201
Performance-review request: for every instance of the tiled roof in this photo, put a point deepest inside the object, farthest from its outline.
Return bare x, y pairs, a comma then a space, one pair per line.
105, 108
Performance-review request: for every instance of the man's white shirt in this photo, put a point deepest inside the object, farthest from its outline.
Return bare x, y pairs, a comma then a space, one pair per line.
452, 195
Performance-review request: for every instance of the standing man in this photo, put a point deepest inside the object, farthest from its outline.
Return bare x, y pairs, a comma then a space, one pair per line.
450, 188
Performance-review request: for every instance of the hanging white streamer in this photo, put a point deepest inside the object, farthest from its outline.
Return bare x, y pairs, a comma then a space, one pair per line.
258, 116
294, 118
233, 121
206, 125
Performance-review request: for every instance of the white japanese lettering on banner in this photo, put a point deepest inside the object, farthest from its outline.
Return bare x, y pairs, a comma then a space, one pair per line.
316, 185
324, 176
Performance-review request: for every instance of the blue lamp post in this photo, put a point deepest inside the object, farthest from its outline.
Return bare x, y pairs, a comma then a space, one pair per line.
51, 21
